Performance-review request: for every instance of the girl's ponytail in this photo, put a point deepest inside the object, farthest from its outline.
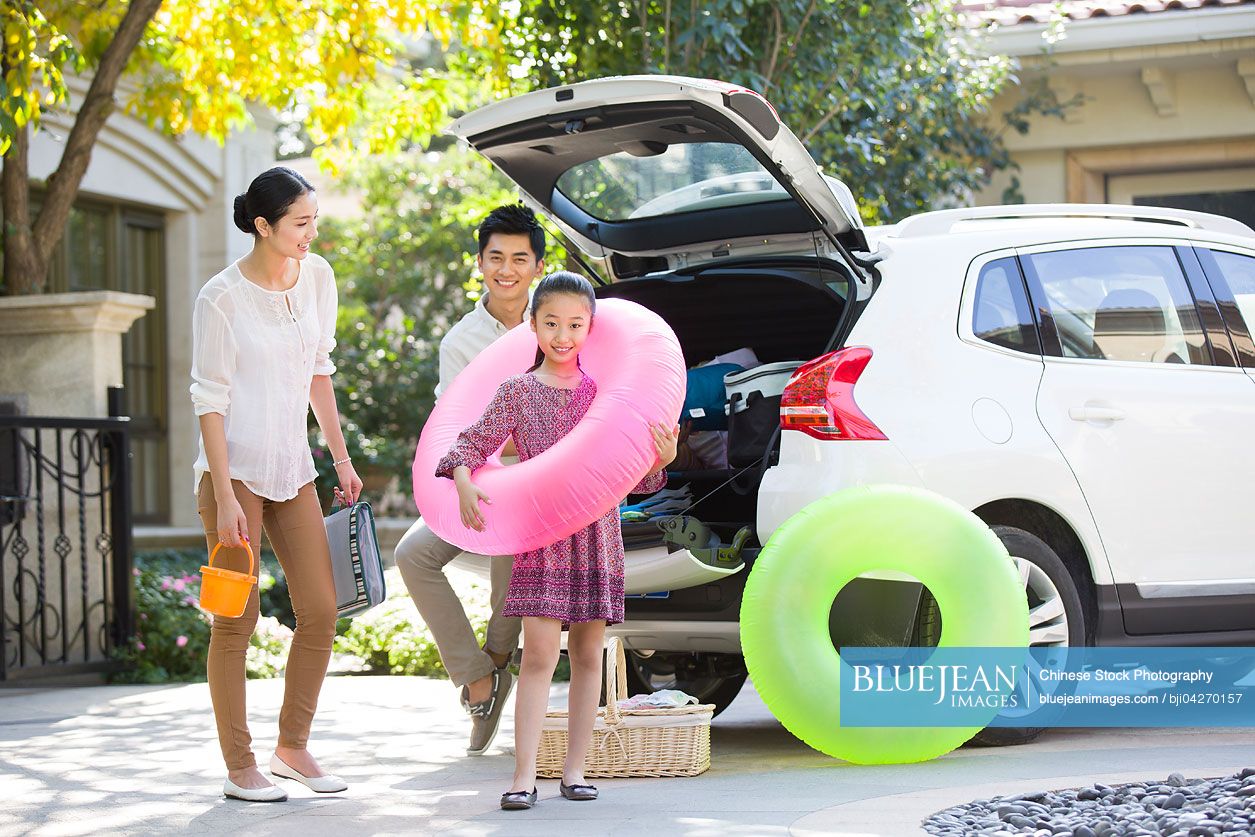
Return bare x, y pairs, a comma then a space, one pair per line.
540, 358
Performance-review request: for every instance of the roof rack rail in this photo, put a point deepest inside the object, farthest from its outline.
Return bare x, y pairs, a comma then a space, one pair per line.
944, 220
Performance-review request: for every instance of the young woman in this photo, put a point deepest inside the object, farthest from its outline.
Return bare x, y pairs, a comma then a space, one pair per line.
577, 581
262, 333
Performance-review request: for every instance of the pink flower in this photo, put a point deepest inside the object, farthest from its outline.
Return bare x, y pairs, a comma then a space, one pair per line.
190, 601
135, 571
181, 641
139, 646
179, 584
166, 584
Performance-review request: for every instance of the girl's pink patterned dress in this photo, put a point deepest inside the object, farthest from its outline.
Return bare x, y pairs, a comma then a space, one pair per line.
577, 579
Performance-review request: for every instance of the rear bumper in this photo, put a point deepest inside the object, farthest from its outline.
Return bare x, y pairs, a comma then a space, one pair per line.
679, 635
654, 569
810, 469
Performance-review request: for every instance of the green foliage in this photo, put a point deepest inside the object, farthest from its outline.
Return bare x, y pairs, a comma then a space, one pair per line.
393, 639
200, 63
271, 584
267, 654
891, 97
171, 639
172, 634
404, 271
35, 52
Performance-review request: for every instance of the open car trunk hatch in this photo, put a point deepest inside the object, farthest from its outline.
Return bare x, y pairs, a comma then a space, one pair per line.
663, 166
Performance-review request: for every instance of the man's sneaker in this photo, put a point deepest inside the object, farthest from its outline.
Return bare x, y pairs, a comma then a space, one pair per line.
486, 715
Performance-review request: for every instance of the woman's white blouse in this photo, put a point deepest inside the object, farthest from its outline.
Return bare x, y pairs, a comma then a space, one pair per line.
254, 355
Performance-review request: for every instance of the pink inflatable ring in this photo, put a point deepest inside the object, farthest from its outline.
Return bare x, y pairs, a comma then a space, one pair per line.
636, 362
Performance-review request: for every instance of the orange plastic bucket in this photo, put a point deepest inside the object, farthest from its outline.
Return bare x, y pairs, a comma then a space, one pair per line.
225, 592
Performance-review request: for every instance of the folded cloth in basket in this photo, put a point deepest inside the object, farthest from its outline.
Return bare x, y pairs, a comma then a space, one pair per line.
661, 699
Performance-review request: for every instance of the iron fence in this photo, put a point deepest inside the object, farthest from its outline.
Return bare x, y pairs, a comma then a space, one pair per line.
66, 591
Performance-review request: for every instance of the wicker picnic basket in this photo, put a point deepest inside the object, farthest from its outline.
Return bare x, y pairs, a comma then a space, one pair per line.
631, 742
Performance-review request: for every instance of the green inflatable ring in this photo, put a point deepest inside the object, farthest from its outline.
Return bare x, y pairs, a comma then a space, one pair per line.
792, 585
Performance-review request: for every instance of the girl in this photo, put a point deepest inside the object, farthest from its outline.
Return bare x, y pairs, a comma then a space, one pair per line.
262, 332
577, 581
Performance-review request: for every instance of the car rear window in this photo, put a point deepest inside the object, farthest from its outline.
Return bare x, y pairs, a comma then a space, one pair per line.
1002, 314
648, 179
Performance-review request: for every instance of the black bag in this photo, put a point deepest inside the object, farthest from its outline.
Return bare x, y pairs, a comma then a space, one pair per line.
355, 564
750, 428
754, 410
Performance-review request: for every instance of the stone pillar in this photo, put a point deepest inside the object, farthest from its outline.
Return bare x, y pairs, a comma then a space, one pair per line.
60, 352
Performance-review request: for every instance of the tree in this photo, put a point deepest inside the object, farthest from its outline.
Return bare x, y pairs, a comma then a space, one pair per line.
404, 271
196, 65
892, 97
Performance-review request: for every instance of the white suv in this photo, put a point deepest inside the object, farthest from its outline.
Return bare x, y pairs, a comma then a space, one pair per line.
1077, 375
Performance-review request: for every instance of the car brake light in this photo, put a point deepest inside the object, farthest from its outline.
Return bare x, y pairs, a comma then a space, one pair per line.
819, 398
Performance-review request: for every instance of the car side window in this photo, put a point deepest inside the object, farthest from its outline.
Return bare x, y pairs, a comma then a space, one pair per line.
1001, 313
1232, 278
1119, 303
1239, 274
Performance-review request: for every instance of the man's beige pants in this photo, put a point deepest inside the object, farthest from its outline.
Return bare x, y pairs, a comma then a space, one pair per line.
421, 556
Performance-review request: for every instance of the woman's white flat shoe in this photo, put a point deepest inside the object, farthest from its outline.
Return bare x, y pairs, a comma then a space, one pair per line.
273, 793
318, 784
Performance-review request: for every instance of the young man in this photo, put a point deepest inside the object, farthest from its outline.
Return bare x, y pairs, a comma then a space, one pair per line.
511, 257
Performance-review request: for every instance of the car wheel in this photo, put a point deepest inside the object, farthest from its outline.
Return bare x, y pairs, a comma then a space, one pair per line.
711, 678
1055, 614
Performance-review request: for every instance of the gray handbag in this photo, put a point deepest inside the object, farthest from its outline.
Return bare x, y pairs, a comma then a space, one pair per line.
355, 564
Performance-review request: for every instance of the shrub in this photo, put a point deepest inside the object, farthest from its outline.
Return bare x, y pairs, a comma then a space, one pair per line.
171, 639
393, 639
171, 635
268, 649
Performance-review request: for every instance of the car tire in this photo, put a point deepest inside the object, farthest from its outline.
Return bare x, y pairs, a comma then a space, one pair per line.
667, 670
1049, 588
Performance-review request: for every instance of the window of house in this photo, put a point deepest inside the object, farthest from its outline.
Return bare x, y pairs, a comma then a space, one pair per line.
1119, 303
109, 247
1001, 312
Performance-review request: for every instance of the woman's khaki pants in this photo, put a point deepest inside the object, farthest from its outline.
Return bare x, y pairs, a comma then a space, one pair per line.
296, 532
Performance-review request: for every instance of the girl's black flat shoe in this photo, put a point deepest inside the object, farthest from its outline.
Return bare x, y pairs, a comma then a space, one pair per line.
518, 800
578, 793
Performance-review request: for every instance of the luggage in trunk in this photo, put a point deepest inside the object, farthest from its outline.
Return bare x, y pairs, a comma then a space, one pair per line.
754, 410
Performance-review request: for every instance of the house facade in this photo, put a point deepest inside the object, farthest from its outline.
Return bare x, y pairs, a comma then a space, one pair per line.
1166, 92
153, 217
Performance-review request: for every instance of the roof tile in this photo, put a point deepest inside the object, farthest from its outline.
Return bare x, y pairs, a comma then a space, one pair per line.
1013, 12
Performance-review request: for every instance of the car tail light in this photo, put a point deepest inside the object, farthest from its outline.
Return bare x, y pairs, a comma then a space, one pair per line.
819, 398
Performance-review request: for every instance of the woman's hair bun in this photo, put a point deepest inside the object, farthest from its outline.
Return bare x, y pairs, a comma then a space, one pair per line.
269, 196
241, 215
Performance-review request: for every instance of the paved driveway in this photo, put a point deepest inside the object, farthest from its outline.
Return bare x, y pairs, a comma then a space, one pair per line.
144, 760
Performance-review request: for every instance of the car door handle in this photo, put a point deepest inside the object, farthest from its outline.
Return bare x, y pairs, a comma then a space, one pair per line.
1095, 414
